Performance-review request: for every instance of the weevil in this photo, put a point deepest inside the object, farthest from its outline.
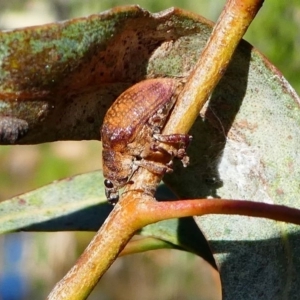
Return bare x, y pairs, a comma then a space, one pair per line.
131, 133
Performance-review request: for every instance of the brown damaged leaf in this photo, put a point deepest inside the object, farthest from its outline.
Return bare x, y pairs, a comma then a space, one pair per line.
57, 80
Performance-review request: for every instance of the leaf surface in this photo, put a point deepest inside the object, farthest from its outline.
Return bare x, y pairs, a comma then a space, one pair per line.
76, 203
245, 146
79, 203
61, 78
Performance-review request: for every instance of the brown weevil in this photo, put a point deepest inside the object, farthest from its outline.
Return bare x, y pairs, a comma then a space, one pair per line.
131, 133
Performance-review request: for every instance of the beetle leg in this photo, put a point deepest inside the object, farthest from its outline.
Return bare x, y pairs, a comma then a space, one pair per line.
182, 139
154, 167
176, 138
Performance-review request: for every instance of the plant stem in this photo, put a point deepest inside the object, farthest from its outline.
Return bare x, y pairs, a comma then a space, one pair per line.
215, 57
111, 238
183, 208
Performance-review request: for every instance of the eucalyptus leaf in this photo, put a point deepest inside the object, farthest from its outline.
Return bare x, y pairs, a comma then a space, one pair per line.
183, 234
58, 80
246, 146
76, 203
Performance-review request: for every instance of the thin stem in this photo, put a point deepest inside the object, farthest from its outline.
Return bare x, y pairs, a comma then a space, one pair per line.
183, 208
215, 57
111, 238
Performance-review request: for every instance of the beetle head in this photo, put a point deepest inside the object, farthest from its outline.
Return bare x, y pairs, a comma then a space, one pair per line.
117, 169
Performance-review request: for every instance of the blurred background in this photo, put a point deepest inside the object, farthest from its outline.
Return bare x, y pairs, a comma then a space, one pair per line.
31, 263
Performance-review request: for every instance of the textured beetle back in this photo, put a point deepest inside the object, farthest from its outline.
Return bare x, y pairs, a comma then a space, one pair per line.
134, 107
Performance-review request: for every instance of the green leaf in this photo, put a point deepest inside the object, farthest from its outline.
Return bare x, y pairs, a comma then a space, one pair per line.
183, 234
245, 146
76, 203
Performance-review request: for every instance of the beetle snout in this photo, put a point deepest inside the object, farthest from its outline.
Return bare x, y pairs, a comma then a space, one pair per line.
111, 192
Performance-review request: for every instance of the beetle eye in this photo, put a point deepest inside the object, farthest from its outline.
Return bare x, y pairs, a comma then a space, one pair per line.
108, 184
